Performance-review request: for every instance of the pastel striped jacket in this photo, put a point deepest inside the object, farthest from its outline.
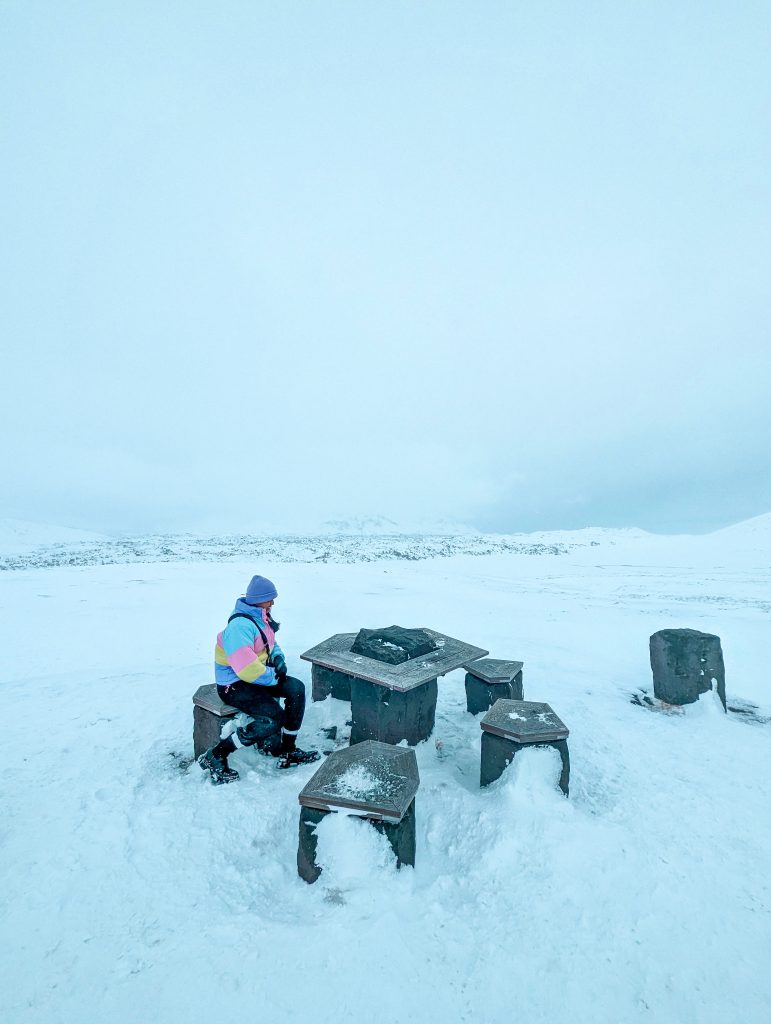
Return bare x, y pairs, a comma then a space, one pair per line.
240, 652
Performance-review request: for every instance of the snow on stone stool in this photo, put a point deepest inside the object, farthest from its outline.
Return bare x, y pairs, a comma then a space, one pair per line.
209, 715
489, 679
371, 780
390, 701
512, 725
686, 663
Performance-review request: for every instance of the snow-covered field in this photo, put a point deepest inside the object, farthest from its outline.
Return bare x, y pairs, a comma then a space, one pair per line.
134, 890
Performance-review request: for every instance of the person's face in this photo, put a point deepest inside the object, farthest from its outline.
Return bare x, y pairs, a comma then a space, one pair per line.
265, 604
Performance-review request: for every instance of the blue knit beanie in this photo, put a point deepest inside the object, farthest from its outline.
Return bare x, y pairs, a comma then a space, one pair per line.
260, 589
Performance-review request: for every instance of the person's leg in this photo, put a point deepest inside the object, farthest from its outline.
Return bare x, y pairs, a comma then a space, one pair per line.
292, 691
264, 730
261, 702
252, 699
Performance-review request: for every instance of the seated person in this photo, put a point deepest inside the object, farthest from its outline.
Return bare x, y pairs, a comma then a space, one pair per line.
250, 673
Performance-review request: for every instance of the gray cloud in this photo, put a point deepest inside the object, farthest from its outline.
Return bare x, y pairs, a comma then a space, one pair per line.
271, 263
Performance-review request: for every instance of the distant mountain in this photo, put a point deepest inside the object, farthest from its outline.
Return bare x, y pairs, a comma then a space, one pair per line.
356, 539
757, 528
18, 535
382, 526
751, 538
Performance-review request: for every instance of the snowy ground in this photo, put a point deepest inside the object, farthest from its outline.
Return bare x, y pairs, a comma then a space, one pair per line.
133, 890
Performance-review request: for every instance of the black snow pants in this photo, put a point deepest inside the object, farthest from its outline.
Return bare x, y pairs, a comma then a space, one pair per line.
261, 703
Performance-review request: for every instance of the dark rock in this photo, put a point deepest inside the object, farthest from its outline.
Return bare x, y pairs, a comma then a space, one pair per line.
393, 644
686, 663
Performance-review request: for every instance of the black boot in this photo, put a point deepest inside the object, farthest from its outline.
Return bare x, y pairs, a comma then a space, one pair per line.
290, 754
215, 761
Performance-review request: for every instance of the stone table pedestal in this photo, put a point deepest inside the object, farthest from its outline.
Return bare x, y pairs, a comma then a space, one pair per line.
513, 725
391, 716
326, 682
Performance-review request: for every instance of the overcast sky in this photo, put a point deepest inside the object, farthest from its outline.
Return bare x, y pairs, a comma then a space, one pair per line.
504, 263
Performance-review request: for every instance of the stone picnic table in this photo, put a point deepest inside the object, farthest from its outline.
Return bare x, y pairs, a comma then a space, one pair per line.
389, 703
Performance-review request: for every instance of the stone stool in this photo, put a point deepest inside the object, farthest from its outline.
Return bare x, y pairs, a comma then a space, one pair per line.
686, 663
510, 726
209, 715
376, 781
489, 679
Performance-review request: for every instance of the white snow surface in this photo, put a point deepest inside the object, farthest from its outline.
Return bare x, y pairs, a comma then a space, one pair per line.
134, 890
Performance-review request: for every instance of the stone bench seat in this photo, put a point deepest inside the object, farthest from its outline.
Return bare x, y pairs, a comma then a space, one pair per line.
512, 725
489, 680
375, 781
209, 715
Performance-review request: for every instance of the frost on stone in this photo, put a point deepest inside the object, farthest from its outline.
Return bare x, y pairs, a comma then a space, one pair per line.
357, 781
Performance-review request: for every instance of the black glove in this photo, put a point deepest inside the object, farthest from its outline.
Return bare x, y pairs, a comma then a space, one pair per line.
279, 666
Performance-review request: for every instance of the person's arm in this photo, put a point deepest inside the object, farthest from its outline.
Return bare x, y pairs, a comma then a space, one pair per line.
279, 660
238, 640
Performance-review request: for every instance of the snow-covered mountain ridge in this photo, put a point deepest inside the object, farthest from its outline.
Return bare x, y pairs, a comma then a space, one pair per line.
341, 549
37, 546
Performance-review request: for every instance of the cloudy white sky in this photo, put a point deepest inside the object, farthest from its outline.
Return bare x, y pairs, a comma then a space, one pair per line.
505, 263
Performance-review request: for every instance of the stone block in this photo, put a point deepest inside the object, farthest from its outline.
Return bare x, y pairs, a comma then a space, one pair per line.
686, 663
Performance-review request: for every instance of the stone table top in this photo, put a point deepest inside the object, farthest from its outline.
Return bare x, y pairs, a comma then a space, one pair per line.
377, 779
335, 653
524, 721
494, 670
